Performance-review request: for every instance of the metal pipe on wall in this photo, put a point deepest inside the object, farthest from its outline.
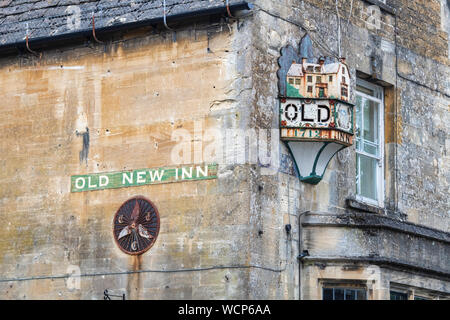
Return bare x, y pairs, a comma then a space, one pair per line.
301, 253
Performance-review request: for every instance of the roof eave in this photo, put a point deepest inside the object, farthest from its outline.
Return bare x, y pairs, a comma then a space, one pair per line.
36, 42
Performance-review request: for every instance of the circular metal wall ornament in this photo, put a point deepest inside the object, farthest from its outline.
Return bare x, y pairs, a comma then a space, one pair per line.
136, 225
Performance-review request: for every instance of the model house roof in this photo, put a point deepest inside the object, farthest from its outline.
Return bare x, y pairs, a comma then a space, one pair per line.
52, 18
295, 70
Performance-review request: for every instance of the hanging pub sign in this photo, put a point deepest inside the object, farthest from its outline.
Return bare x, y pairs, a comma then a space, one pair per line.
316, 117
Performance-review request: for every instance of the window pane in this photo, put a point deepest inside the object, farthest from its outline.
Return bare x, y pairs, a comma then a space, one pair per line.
361, 295
367, 176
398, 296
338, 294
343, 294
327, 294
370, 116
365, 90
370, 148
350, 294
368, 142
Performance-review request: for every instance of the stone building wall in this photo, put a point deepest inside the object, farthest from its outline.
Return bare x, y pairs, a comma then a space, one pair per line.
413, 69
129, 96
226, 236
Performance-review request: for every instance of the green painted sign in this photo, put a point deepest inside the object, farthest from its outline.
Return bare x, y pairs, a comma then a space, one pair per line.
140, 177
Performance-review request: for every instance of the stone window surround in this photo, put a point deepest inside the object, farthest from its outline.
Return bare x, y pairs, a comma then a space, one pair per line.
343, 284
382, 5
413, 292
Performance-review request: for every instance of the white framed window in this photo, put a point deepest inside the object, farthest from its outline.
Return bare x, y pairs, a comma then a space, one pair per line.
369, 143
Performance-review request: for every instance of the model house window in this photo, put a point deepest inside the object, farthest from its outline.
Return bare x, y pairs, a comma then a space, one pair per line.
330, 78
344, 92
291, 81
343, 294
343, 79
297, 81
309, 89
318, 79
369, 143
309, 78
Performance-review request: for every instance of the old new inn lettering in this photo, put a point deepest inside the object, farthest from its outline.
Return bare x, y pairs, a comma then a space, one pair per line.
122, 179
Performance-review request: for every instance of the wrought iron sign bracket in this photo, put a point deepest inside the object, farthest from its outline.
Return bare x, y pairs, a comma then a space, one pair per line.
107, 295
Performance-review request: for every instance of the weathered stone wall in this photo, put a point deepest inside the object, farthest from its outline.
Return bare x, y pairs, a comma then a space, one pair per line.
130, 95
416, 136
133, 93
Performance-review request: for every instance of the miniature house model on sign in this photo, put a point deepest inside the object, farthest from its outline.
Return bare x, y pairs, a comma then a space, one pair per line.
311, 80
316, 119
